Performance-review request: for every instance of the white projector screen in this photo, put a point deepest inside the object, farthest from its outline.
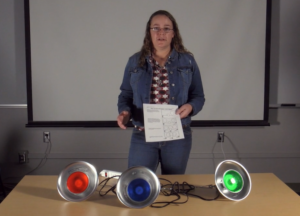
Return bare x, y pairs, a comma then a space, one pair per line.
77, 51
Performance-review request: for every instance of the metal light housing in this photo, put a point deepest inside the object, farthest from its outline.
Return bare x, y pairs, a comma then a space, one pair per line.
138, 187
77, 181
233, 180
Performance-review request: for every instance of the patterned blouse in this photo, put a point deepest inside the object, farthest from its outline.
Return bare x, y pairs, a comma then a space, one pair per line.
159, 93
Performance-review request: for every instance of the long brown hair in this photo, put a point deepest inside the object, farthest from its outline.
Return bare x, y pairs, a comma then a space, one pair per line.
176, 43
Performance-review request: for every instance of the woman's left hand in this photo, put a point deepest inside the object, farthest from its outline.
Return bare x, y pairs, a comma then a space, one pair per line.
184, 110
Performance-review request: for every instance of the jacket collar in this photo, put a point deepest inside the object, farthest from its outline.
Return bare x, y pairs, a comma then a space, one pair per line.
173, 55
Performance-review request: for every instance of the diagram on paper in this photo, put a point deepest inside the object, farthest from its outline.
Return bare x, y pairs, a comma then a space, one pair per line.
170, 126
161, 123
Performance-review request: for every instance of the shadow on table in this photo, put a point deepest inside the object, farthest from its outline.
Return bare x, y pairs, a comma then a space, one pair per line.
207, 193
46, 193
39, 192
108, 199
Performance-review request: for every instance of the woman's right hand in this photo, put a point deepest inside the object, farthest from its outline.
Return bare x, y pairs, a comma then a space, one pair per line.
123, 119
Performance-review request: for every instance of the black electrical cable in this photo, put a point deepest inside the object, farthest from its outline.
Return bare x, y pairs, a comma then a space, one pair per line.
210, 187
170, 189
105, 181
181, 189
44, 159
173, 191
41, 163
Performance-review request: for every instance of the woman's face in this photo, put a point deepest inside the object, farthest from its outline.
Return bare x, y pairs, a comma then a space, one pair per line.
161, 40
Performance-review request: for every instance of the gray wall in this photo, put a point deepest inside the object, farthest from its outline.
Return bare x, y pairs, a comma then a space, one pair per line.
273, 149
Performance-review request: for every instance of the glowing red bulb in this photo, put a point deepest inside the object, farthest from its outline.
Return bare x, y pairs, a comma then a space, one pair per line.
77, 182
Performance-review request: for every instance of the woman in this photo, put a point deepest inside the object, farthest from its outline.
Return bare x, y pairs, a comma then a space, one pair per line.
163, 72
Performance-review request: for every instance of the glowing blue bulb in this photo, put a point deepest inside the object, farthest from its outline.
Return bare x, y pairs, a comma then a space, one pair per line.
138, 190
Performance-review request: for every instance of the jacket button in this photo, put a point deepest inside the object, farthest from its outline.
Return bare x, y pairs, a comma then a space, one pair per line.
173, 84
171, 72
173, 98
169, 62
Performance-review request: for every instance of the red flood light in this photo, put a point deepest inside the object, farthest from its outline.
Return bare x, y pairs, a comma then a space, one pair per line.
77, 181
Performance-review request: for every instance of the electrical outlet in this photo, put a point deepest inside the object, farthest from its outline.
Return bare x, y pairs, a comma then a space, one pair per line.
221, 136
46, 137
23, 156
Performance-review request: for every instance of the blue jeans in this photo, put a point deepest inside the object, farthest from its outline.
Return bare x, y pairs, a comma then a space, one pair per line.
172, 155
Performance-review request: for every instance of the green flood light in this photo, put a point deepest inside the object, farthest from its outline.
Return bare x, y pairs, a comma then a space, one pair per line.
233, 180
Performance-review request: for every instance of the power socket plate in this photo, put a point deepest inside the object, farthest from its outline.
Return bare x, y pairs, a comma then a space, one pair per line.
220, 136
23, 156
46, 137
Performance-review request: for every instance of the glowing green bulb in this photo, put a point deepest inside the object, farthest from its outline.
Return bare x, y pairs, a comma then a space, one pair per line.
233, 181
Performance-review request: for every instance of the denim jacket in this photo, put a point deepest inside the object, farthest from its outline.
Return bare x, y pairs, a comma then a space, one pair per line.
185, 86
